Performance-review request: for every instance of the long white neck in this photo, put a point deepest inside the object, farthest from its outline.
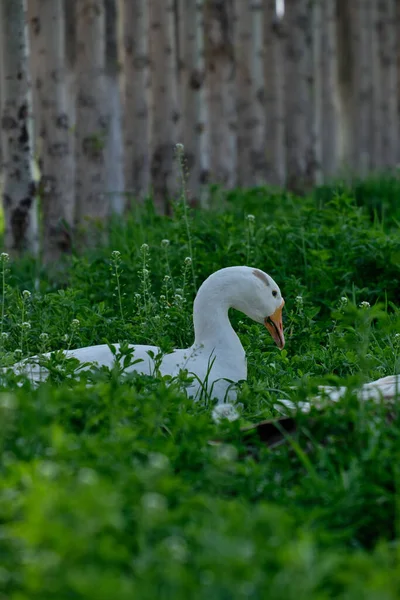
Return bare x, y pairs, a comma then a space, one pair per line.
216, 295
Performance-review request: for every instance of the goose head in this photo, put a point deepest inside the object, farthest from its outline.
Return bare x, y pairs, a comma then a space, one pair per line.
260, 299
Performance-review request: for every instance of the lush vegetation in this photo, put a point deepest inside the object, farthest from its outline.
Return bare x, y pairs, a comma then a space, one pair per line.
113, 490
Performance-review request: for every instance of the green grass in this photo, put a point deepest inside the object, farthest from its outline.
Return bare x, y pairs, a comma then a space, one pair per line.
113, 491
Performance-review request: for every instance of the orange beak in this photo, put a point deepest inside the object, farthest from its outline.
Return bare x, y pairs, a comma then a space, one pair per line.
275, 326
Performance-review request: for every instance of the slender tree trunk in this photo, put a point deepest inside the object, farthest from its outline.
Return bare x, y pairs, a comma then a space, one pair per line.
36, 65
345, 26
274, 94
250, 92
193, 95
136, 93
364, 86
388, 84
115, 182
58, 168
92, 118
165, 111
328, 66
298, 69
220, 85
316, 92
19, 203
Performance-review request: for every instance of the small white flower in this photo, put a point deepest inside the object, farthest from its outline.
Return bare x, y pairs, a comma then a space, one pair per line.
158, 461
188, 260
65, 337
343, 301
364, 304
166, 278
26, 325
178, 297
137, 296
165, 243
75, 323
299, 300
179, 147
17, 352
154, 502
144, 247
162, 298
145, 271
44, 336
26, 294
5, 335
397, 335
115, 255
225, 411
251, 218
4, 257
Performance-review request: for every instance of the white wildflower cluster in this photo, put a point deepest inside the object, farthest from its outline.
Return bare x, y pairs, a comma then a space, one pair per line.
165, 243
251, 218
364, 304
116, 255
225, 411
26, 325
144, 247
343, 302
26, 294
44, 337
5, 335
179, 147
188, 261
75, 323
299, 301
4, 257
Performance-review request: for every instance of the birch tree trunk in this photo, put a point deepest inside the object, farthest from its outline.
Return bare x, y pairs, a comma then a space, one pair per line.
315, 173
135, 59
328, 66
375, 43
298, 69
36, 65
345, 75
250, 92
92, 119
193, 95
58, 168
388, 84
364, 87
165, 113
274, 77
115, 182
220, 86
19, 202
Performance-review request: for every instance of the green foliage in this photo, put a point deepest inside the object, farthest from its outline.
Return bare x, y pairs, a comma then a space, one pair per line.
113, 490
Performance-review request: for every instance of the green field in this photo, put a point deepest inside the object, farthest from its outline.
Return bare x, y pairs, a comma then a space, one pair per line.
113, 491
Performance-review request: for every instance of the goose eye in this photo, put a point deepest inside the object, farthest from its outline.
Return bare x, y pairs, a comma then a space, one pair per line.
274, 293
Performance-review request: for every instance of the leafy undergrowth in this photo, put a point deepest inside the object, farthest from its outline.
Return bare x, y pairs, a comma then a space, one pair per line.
114, 491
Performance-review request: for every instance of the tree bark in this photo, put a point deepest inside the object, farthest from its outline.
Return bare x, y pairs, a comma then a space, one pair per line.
345, 75
365, 89
316, 92
274, 94
250, 93
220, 86
194, 109
328, 66
19, 202
165, 112
115, 181
136, 94
92, 119
388, 83
58, 167
298, 68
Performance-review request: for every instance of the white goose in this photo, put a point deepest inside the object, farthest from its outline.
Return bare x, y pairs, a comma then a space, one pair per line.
217, 357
